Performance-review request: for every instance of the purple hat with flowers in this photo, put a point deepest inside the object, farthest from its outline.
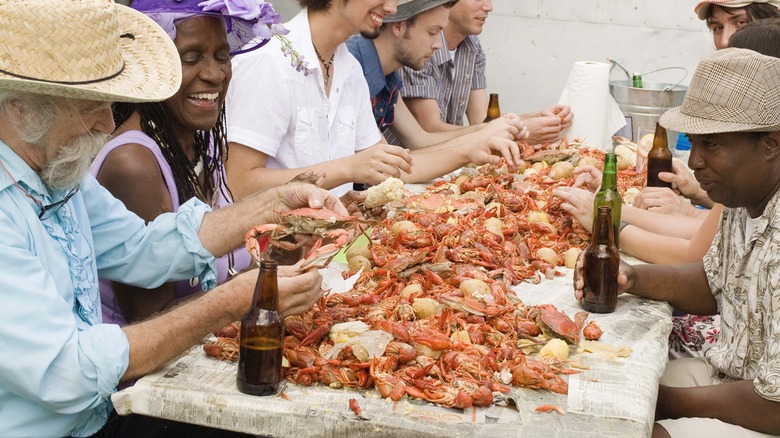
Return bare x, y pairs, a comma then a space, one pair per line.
250, 24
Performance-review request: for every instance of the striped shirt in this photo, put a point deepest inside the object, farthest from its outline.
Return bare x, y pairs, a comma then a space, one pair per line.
448, 81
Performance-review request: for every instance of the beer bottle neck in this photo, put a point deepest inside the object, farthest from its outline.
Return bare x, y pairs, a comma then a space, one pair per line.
493, 111
659, 139
609, 176
603, 231
266, 294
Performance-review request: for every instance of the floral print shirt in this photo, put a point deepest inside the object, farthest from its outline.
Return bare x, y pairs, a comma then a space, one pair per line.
744, 275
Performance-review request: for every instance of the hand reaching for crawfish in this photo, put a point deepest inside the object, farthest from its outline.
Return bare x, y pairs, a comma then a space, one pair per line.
297, 194
588, 177
578, 203
298, 290
353, 201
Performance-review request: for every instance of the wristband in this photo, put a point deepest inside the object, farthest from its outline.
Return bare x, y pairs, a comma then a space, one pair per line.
622, 225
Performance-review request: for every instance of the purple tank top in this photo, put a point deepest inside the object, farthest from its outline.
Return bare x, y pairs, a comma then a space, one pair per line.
241, 259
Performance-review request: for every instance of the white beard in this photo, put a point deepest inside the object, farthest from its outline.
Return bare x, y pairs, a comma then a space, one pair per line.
70, 164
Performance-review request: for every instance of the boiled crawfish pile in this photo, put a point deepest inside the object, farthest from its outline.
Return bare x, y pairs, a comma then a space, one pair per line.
434, 317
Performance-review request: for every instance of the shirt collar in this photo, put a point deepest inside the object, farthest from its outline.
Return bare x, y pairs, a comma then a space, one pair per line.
300, 27
23, 173
365, 52
442, 55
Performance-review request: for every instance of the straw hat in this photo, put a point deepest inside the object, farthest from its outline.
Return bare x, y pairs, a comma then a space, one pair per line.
702, 9
85, 49
409, 8
733, 90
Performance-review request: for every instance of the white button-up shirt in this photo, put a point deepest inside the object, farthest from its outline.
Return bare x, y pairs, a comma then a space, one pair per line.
286, 115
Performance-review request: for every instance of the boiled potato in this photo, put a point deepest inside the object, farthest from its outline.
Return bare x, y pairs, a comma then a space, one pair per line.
401, 226
587, 161
570, 257
561, 170
460, 336
521, 167
409, 289
474, 288
356, 250
461, 179
424, 307
357, 262
537, 216
427, 351
622, 163
494, 225
548, 255
556, 348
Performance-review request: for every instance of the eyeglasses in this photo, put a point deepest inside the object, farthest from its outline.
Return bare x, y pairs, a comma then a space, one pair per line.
48, 211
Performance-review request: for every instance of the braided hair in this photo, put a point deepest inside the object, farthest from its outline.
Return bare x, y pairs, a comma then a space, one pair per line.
154, 120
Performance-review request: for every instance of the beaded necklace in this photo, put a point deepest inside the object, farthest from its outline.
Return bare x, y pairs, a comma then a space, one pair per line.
326, 64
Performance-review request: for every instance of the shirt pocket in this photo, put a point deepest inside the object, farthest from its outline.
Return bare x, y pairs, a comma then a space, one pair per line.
308, 135
345, 131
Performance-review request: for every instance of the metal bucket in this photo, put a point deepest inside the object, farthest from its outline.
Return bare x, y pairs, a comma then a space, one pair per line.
644, 106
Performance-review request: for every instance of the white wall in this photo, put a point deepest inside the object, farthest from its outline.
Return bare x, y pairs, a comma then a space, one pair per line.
532, 44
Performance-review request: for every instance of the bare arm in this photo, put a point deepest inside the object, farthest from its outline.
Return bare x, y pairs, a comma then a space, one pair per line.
156, 341
640, 243
132, 174
476, 108
655, 248
437, 161
247, 172
683, 286
731, 402
426, 111
413, 136
663, 224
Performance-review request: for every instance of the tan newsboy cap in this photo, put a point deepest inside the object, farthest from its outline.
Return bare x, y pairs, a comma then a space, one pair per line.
732, 90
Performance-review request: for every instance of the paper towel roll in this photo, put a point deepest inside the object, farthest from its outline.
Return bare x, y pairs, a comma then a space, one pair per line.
596, 114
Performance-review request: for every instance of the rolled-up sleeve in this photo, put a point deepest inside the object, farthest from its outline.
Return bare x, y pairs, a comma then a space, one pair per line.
166, 249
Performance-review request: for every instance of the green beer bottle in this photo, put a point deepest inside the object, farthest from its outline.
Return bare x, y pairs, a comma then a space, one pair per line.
636, 80
608, 194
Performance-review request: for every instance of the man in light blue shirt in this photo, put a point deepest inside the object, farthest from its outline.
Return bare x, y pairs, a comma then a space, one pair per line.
59, 228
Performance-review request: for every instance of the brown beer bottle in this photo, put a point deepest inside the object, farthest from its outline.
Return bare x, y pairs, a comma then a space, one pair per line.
262, 336
659, 159
493, 111
601, 266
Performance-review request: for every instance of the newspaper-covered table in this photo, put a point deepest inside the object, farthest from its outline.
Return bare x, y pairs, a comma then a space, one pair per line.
610, 398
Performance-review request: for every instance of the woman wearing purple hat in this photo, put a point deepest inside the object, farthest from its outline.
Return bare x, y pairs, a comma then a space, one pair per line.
164, 153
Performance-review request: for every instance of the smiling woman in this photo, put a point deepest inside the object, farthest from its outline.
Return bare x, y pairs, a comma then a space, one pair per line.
164, 153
